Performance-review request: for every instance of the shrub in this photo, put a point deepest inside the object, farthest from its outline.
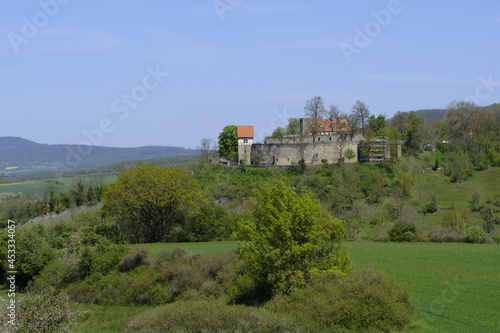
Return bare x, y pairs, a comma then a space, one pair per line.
446, 235
364, 299
475, 234
133, 260
46, 313
211, 316
402, 232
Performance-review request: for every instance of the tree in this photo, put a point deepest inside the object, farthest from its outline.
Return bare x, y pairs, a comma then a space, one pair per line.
290, 240
293, 127
362, 112
278, 134
350, 154
205, 147
148, 202
228, 142
314, 110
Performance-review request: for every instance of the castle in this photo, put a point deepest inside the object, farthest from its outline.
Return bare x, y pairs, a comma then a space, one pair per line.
317, 140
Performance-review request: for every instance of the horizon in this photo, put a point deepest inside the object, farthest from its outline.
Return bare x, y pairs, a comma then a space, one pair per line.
156, 73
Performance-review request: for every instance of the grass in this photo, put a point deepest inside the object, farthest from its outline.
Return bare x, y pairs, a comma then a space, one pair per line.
106, 319
455, 285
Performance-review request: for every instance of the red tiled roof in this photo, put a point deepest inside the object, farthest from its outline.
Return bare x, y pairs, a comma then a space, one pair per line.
327, 125
245, 131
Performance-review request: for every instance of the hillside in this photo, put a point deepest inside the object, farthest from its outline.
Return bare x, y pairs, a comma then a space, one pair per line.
32, 156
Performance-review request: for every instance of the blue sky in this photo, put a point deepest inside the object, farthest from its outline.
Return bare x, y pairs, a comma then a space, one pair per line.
171, 72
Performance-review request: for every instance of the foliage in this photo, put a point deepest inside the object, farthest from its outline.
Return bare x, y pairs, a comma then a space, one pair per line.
364, 299
349, 154
33, 252
46, 312
133, 260
475, 234
290, 240
279, 133
148, 202
213, 317
228, 142
402, 232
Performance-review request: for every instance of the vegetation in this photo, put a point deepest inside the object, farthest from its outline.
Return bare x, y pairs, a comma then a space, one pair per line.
228, 142
290, 240
149, 202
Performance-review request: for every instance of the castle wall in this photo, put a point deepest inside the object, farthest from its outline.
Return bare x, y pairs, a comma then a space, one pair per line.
285, 152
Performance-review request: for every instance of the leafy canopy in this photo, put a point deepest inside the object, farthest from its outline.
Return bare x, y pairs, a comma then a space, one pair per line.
228, 142
148, 202
291, 239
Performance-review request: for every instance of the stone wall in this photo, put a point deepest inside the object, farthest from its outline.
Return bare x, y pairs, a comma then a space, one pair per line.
286, 152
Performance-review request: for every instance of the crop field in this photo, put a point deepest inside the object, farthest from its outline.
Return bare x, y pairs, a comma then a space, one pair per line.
455, 285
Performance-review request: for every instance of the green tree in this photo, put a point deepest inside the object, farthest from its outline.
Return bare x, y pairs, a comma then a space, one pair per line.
148, 202
350, 154
278, 134
290, 240
293, 127
228, 142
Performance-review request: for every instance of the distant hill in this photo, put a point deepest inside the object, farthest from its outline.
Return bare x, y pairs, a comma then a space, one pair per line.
15, 151
439, 114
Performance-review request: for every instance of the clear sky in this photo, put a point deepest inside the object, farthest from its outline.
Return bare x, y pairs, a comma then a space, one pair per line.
171, 72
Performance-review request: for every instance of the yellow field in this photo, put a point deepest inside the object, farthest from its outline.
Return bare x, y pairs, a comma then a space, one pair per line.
10, 184
11, 168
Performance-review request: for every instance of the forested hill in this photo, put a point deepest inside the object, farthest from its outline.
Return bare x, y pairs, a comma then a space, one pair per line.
18, 151
440, 114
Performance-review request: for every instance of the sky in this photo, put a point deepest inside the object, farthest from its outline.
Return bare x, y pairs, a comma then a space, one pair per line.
172, 72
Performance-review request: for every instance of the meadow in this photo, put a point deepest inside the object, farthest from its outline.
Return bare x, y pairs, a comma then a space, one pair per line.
455, 285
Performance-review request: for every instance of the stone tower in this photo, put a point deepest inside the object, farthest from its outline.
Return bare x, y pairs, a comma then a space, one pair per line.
245, 141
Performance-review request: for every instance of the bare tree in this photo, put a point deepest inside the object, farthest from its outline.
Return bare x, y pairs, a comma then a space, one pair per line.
315, 109
206, 145
361, 110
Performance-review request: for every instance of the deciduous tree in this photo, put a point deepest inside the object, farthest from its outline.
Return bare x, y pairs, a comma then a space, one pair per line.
148, 202
228, 142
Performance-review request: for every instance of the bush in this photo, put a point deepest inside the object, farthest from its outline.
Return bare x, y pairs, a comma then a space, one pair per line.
133, 260
211, 316
475, 234
446, 235
364, 299
402, 232
46, 313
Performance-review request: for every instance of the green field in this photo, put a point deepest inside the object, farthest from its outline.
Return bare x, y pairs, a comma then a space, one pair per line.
455, 285
38, 187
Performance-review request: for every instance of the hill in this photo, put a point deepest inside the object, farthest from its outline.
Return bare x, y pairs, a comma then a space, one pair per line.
18, 154
432, 115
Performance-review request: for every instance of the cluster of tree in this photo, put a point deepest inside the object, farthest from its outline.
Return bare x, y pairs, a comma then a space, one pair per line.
24, 207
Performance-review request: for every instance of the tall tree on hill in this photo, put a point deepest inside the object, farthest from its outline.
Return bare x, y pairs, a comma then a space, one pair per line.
362, 112
314, 110
228, 142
